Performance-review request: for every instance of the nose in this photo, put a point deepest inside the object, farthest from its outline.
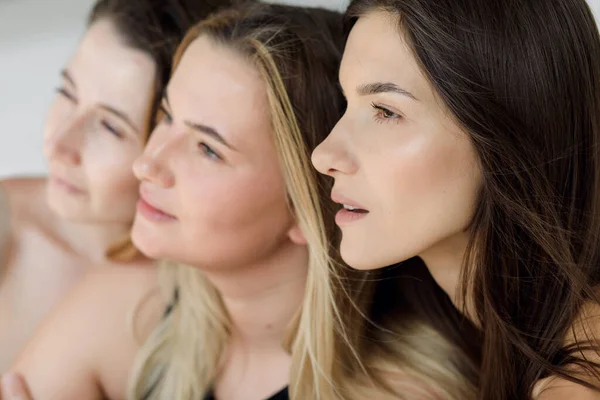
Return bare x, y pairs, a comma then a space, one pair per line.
154, 164
65, 143
333, 155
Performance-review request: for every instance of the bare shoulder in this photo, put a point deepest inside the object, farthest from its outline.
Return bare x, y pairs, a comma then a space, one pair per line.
554, 388
397, 383
24, 194
586, 328
5, 227
22, 202
92, 336
133, 290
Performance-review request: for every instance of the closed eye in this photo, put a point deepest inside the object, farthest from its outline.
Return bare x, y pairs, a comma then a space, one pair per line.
111, 129
65, 93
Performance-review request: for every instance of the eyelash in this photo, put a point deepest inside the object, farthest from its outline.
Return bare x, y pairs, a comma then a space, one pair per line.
62, 91
112, 130
165, 117
204, 148
209, 152
384, 115
105, 124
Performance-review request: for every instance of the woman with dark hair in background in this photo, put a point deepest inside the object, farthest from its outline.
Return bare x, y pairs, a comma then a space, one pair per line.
81, 214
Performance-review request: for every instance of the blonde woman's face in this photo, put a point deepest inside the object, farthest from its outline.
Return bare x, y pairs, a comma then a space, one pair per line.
212, 191
398, 158
96, 128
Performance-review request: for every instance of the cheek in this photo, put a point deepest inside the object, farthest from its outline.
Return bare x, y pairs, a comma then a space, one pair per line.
438, 174
57, 114
426, 170
426, 194
236, 217
109, 175
232, 202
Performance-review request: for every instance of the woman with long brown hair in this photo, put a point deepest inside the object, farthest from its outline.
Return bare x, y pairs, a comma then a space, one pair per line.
470, 146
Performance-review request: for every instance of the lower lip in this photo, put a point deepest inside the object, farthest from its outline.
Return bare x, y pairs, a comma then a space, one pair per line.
344, 216
151, 213
65, 186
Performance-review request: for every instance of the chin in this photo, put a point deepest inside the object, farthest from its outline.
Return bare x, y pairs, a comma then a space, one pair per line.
364, 256
357, 257
149, 244
66, 207
68, 211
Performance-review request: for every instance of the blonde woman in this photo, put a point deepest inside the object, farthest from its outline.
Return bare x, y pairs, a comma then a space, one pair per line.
227, 188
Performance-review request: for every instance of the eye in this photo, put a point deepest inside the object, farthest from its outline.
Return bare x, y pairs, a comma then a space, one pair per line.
66, 94
164, 115
208, 152
111, 128
383, 114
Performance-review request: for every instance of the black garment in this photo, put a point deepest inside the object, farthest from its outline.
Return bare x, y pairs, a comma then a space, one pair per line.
282, 395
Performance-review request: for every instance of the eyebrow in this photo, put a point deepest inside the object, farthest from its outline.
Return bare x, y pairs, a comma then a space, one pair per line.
119, 114
67, 76
383, 87
207, 130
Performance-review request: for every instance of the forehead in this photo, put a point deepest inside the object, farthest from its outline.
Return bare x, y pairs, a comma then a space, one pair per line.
107, 71
215, 85
376, 51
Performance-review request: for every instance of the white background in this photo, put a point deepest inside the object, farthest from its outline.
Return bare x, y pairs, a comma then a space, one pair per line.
36, 38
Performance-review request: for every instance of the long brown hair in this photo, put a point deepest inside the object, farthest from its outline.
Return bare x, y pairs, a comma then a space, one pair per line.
522, 77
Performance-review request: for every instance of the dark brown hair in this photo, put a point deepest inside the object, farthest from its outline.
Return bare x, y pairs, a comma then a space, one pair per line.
522, 77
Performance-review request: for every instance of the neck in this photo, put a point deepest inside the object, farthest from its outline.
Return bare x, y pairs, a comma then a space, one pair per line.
93, 240
262, 307
445, 263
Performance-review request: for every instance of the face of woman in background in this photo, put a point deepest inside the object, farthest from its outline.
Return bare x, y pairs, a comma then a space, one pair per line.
96, 127
212, 190
405, 173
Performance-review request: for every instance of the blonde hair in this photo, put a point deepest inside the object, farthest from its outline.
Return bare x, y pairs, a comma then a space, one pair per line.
408, 335
181, 358
297, 52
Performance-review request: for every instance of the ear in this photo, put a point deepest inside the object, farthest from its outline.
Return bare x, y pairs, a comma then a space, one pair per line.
296, 235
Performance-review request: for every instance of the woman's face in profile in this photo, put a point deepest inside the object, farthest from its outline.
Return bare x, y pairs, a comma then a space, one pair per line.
96, 127
212, 189
405, 171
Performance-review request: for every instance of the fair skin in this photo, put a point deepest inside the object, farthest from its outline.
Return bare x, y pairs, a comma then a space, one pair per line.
231, 198
412, 142
409, 169
85, 349
210, 175
58, 225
